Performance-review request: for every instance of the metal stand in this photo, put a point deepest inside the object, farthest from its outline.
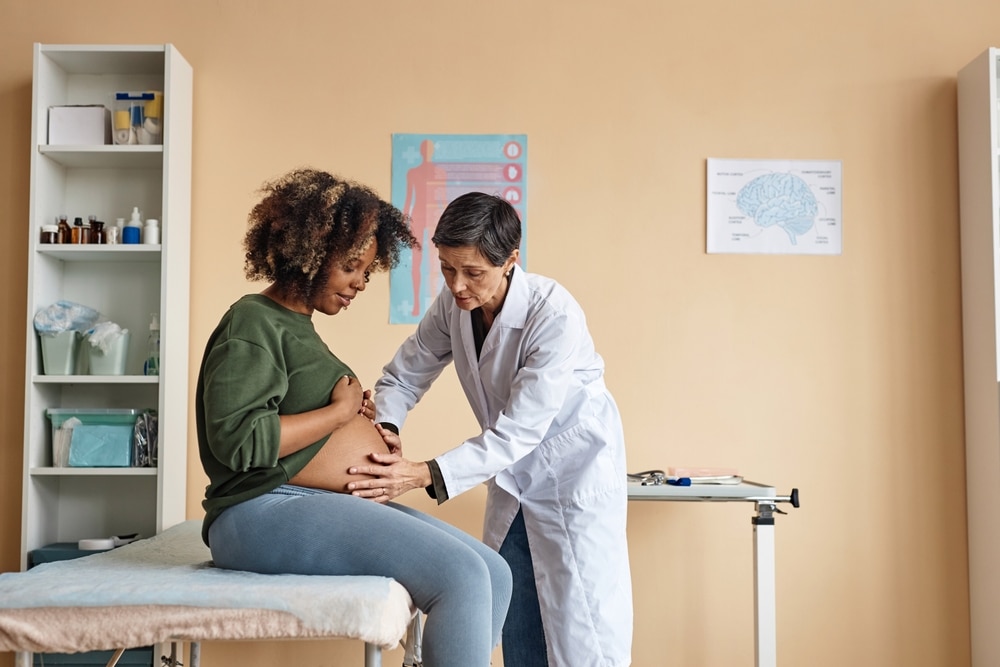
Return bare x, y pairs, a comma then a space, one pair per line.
764, 621
765, 627
412, 646
373, 655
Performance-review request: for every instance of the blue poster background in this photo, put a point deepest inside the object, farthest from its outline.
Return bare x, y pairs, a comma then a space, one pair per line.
430, 170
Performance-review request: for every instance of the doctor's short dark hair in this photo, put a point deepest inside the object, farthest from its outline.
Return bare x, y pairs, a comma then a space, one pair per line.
487, 222
308, 220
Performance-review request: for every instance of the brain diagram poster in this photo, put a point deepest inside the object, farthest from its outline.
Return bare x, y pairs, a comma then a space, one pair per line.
429, 171
790, 207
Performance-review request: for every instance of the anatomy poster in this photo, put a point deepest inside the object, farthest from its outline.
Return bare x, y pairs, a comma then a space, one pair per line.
430, 170
790, 207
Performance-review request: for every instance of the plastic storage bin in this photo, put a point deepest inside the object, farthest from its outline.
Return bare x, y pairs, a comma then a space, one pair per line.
97, 439
138, 117
57, 551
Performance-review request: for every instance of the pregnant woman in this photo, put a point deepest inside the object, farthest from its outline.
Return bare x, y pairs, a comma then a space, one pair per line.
280, 419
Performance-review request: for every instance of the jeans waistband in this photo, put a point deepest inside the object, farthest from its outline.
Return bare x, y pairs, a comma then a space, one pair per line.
292, 490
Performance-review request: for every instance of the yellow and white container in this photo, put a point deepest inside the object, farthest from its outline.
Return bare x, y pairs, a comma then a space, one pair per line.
137, 118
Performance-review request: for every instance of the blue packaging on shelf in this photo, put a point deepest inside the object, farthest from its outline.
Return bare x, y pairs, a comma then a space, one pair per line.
101, 446
96, 438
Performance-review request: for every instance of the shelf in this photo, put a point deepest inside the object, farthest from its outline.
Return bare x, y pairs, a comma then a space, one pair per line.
95, 379
105, 157
120, 252
49, 471
106, 59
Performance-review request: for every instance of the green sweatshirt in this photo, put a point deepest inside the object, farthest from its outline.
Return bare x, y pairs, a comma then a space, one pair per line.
262, 361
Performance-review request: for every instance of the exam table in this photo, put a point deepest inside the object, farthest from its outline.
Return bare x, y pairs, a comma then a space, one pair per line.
164, 590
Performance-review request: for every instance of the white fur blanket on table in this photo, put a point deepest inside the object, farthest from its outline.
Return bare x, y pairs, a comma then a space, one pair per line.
164, 589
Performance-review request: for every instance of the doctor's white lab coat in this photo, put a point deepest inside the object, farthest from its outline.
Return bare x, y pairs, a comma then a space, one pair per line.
552, 443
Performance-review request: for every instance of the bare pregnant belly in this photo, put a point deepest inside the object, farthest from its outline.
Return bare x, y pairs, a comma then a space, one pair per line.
347, 446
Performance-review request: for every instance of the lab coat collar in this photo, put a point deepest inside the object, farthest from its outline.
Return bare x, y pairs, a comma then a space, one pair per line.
514, 313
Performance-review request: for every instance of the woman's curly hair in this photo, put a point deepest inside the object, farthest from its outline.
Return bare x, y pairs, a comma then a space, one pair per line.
309, 220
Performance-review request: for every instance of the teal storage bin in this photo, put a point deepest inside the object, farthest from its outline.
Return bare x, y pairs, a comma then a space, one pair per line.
101, 439
57, 551
131, 657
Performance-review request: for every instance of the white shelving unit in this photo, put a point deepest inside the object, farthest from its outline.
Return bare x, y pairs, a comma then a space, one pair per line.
126, 283
979, 199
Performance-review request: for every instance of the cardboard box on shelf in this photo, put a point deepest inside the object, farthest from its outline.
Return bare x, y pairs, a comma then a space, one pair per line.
79, 125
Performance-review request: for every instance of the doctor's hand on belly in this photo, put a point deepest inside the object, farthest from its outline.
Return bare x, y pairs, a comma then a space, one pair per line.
390, 474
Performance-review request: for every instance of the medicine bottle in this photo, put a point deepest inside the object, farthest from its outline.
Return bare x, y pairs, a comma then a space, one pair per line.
151, 232
132, 232
91, 219
65, 233
97, 232
50, 234
113, 234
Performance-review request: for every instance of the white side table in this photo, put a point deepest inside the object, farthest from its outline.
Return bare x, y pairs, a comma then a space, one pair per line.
765, 631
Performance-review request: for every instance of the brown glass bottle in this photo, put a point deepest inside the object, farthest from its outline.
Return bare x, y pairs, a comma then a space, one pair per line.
65, 233
97, 231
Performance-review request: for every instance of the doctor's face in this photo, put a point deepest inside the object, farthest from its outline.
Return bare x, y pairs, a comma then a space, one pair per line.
473, 281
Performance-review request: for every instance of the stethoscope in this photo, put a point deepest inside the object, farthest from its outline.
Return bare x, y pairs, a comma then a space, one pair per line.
648, 477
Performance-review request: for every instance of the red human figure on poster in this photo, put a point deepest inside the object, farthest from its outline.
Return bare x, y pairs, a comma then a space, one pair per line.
425, 200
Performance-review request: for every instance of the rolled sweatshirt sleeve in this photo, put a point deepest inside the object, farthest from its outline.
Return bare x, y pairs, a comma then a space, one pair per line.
243, 388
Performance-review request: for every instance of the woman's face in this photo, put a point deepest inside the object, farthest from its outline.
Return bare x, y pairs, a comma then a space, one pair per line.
473, 281
344, 283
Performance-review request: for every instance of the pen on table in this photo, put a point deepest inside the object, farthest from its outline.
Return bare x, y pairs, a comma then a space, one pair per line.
679, 481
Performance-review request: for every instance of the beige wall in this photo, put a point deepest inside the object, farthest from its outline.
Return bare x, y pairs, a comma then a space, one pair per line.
838, 375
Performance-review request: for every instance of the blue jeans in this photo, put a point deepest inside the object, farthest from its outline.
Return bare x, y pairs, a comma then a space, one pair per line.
523, 635
461, 584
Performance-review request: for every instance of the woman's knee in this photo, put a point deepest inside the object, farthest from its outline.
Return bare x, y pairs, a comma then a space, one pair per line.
501, 578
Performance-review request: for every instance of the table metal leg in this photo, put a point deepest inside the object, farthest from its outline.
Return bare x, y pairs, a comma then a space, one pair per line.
373, 655
116, 657
413, 644
765, 630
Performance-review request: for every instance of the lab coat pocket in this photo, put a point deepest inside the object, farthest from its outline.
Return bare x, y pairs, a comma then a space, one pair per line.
580, 465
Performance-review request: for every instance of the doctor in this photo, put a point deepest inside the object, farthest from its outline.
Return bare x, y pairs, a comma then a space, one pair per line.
551, 448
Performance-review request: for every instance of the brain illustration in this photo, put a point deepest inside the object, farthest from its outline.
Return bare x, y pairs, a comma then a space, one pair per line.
779, 199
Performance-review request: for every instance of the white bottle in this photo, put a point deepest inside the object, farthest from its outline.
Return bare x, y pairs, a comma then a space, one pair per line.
115, 231
152, 363
133, 230
151, 232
